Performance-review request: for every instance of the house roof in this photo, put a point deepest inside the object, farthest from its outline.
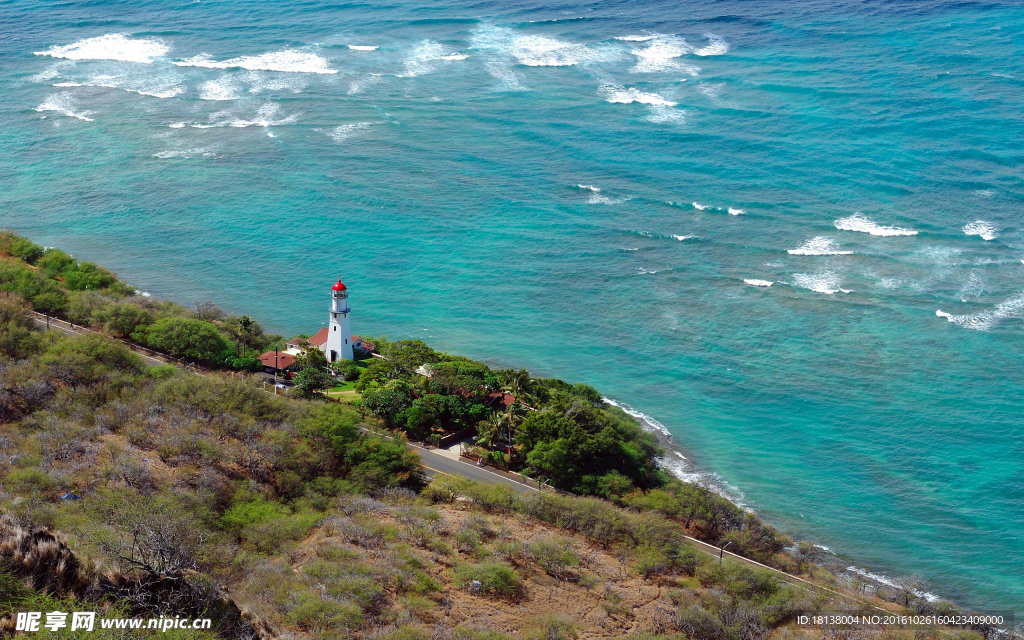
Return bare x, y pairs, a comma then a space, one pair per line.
282, 359
296, 341
319, 338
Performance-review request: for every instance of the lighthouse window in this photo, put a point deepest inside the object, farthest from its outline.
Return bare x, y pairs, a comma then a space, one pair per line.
335, 328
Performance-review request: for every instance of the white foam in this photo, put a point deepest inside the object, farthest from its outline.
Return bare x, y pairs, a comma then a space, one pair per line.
701, 207
424, 58
677, 464
221, 89
287, 61
112, 46
511, 80
981, 228
681, 238
736, 212
661, 55
860, 222
65, 104
52, 71
823, 282
363, 47
985, 320
345, 131
534, 50
754, 282
635, 38
617, 94
985, 193
161, 85
930, 597
361, 83
260, 81
264, 118
710, 90
819, 246
455, 57
177, 125
588, 187
184, 153
716, 46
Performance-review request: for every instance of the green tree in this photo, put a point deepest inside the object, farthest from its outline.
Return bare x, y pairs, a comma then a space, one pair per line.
54, 262
18, 337
185, 338
122, 319
244, 326
25, 249
389, 402
313, 382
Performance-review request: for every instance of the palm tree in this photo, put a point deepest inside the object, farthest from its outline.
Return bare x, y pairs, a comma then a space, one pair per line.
490, 431
242, 329
516, 382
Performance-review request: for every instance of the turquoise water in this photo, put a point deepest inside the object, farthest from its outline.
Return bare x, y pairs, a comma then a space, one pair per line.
518, 184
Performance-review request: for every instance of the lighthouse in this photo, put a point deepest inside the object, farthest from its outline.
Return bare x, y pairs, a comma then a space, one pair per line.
339, 337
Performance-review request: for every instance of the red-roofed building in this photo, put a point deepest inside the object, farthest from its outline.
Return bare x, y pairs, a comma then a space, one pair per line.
277, 361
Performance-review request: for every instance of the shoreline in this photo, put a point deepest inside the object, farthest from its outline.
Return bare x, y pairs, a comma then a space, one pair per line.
685, 469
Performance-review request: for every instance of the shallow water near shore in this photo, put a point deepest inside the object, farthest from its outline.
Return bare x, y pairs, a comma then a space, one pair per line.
789, 232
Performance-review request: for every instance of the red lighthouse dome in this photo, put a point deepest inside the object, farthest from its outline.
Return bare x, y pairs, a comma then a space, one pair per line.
339, 286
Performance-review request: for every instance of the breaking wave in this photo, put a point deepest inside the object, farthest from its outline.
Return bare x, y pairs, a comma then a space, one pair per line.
112, 46
985, 320
824, 282
362, 47
345, 131
860, 222
716, 46
287, 61
64, 103
265, 117
754, 282
617, 94
981, 228
819, 246
223, 89
534, 50
425, 57
661, 54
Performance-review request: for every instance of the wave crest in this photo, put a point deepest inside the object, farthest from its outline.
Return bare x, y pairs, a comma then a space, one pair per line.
112, 46
819, 246
860, 222
286, 61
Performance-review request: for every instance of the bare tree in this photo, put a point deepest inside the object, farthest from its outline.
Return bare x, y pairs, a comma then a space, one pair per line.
207, 310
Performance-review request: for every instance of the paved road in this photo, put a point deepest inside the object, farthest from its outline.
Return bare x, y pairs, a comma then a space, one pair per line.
435, 464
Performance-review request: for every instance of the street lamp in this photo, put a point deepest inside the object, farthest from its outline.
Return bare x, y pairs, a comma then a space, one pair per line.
721, 551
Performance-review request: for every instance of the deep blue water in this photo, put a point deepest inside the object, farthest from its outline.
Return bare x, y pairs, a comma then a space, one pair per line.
517, 183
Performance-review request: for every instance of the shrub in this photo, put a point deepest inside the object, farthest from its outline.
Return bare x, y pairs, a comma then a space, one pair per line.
552, 628
247, 514
494, 578
18, 337
649, 560
557, 558
122, 319
184, 338
25, 249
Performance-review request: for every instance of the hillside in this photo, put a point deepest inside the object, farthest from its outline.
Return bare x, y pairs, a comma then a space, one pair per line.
141, 490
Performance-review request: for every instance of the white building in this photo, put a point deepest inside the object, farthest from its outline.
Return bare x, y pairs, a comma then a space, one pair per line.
336, 339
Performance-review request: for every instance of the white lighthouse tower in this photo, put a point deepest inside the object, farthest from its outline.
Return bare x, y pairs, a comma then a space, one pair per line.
339, 336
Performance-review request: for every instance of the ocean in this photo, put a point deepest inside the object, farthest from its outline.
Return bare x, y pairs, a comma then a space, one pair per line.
789, 232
